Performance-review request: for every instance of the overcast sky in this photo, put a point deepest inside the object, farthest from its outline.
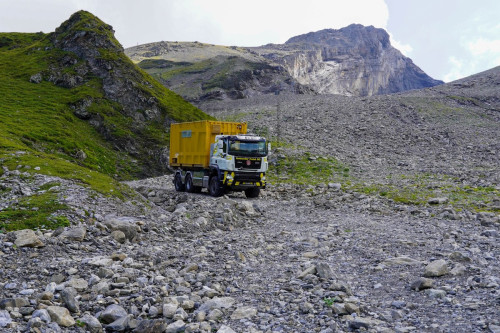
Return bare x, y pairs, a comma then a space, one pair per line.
448, 39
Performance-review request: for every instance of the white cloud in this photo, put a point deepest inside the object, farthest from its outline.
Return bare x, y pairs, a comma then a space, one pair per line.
482, 46
406, 49
227, 22
456, 71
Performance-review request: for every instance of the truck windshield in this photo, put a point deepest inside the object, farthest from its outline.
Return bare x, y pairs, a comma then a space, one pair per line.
247, 148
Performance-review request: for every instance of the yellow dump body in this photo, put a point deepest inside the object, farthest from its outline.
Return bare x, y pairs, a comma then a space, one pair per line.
190, 142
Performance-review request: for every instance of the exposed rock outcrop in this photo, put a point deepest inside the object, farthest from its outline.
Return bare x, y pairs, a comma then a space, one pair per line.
353, 61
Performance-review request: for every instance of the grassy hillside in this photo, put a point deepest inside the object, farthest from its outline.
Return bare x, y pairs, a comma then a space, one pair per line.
41, 86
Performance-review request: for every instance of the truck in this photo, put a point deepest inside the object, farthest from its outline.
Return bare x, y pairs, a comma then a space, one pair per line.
219, 156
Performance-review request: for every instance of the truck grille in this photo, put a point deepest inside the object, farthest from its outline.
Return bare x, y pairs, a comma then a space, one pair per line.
247, 177
248, 163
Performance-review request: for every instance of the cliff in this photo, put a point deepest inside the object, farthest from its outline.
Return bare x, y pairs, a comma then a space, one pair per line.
352, 61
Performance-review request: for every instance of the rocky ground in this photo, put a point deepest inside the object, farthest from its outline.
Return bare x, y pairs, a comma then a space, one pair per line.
317, 259
329, 256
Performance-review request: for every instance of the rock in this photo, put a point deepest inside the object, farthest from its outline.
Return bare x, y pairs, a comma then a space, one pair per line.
27, 238
437, 201
307, 271
324, 271
78, 284
436, 268
119, 236
91, 323
403, 260
365, 323
169, 310
151, 326
421, 284
61, 316
68, 296
43, 314
244, 312
175, 327
5, 319
36, 78
112, 313
74, 234
217, 303
120, 324
352, 308
494, 328
436, 293
225, 329
124, 225
339, 309
335, 186
490, 233
459, 269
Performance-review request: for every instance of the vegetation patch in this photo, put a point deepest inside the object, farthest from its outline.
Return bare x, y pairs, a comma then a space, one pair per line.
305, 169
38, 211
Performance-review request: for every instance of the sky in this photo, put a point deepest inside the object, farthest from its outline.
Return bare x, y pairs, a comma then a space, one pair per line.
447, 39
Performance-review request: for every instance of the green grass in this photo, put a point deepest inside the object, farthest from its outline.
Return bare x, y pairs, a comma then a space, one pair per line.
38, 211
306, 170
419, 188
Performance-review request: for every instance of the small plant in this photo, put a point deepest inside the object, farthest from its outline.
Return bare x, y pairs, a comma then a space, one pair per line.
329, 301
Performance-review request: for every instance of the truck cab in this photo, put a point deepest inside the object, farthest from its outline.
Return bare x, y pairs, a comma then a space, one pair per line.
240, 162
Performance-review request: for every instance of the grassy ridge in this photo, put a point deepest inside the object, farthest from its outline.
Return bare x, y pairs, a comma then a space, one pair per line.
39, 132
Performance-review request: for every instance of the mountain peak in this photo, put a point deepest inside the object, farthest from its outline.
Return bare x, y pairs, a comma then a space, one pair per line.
83, 33
353, 34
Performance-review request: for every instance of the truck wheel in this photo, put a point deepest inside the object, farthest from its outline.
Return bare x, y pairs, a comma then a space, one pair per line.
189, 184
214, 187
190, 187
252, 192
179, 186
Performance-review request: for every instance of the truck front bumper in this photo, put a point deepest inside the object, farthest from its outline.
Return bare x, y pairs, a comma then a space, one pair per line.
243, 180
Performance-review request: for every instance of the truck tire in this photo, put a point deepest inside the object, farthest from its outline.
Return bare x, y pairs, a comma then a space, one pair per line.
214, 187
252, 192
189, 184
179, 186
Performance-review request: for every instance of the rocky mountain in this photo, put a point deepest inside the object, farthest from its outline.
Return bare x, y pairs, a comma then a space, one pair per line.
73, 94
353, 61
201, 72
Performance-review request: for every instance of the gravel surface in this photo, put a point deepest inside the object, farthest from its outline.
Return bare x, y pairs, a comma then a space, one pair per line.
293, 260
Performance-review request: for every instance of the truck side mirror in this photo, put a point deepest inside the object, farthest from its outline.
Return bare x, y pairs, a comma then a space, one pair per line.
269, 148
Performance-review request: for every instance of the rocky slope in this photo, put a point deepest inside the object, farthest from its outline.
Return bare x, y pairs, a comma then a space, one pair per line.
331, 261
353, 61
201, 72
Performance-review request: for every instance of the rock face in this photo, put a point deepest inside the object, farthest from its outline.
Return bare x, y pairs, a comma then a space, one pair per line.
353, 61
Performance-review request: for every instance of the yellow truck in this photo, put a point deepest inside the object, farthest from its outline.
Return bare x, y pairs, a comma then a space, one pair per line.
219, 156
